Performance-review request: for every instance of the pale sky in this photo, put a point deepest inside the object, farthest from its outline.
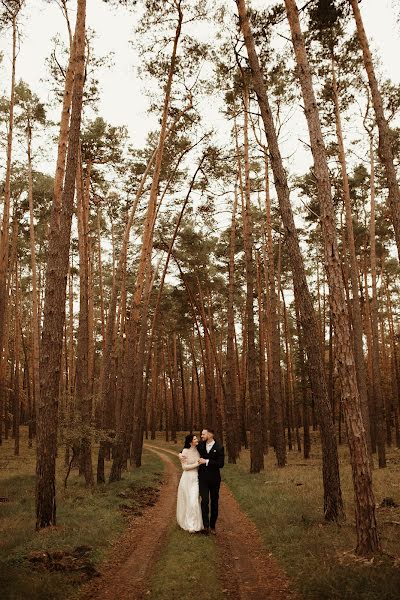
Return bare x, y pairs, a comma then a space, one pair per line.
123, 101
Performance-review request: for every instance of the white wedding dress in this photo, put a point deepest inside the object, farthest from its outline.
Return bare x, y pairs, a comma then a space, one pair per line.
188, 510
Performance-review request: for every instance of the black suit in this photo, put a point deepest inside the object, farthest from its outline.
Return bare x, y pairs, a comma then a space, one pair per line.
210, 481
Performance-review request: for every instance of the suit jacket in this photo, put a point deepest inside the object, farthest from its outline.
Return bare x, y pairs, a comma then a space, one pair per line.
216, 459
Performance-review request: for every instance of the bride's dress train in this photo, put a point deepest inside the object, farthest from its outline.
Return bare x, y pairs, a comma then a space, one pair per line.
188, 509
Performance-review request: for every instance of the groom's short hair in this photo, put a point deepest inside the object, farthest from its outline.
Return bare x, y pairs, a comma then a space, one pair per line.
210, 430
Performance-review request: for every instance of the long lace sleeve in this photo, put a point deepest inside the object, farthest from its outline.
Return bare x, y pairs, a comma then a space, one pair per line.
187, 466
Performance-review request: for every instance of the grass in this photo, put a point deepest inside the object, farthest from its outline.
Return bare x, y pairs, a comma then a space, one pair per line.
84, 517
186, 568
285, 504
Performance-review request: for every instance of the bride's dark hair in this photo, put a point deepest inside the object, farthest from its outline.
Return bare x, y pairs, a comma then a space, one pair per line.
188, 440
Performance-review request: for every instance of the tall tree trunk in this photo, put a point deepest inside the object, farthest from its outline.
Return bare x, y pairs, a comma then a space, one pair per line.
107, 371
17, 338
354, 275
306, 410
231, 411
333, 503
370, 370
261, 356
101, 285
5, 227
155, 369
376, 368
55, 296
132, 333
140, 389
83, 401
275, 391
367, 532
198, 384
212, 408
291, 418
385, 145
395, 366
255, 420
35, 314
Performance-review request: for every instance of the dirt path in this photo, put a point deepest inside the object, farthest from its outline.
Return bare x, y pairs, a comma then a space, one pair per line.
247, 571
126, 574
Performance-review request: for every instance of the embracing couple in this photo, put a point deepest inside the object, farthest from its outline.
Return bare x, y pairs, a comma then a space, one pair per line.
198, 491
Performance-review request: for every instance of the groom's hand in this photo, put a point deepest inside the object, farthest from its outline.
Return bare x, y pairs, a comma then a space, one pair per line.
182, 458
202, 461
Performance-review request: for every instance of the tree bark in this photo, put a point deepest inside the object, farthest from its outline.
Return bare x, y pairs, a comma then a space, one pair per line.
55, 296
231, 412
367, 532
132, 333
83, 400
376, 368
255, 420
4, 234
333, 503
275, 386
385, 146
17, 345
354, 275
35, 314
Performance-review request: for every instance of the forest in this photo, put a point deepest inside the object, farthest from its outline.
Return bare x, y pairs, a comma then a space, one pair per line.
237, 272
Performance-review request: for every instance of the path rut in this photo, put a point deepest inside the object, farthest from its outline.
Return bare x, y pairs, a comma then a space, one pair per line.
247, 571
126, 574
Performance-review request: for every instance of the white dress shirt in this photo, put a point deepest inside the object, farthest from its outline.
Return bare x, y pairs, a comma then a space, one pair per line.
209, 445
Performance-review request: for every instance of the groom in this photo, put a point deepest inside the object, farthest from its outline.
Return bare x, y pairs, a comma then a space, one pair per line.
211, 461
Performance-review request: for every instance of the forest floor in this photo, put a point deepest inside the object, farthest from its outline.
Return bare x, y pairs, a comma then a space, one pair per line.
52, 564
246, 570
317, 558
271, 542
126, 573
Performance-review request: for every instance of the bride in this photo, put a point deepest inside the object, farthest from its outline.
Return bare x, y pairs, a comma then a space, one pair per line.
188, 510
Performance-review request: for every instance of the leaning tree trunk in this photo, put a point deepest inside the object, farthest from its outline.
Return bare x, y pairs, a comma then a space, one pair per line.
385, 146
354, 275
55, 297
108, 355
367, 532
333, 503
132, 333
